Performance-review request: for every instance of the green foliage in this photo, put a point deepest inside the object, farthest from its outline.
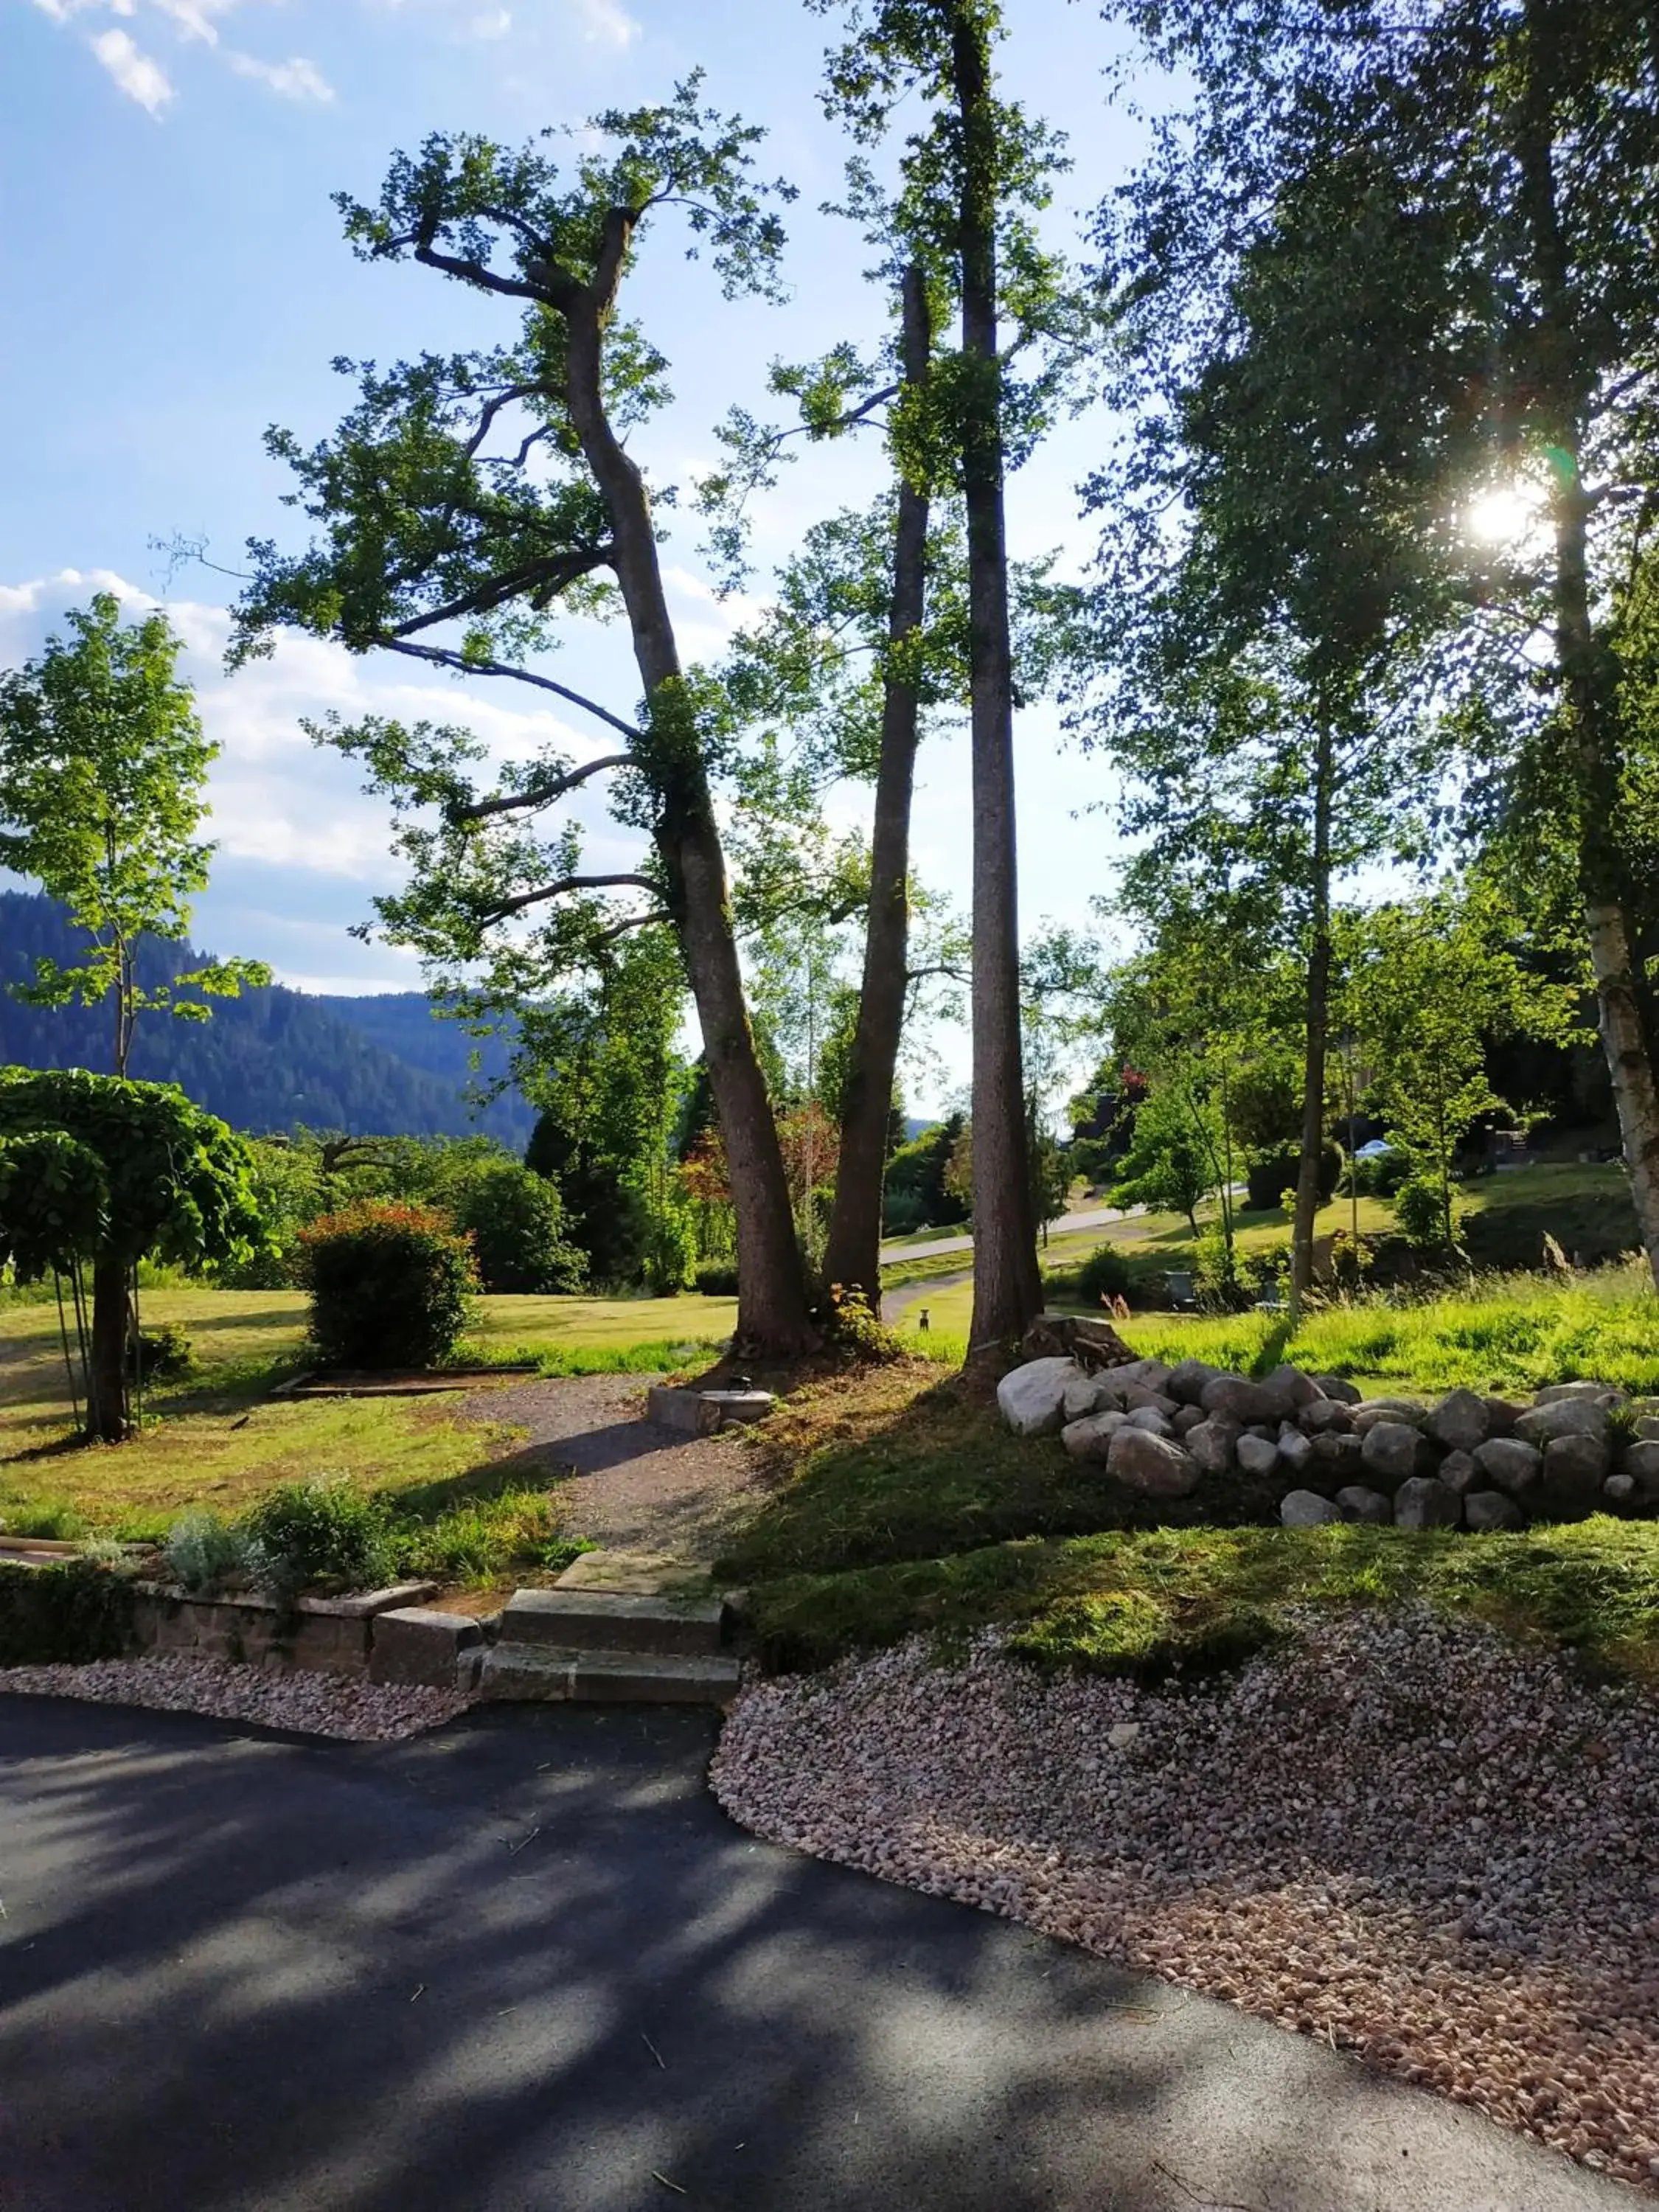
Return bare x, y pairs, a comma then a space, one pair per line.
202, 1551
1104, 1275
318, 1535
1171, 1165
517, 1225
54, 1202
916, 1192
1267, 1181
163, 1180
852, 1327
102, 764
715, 1281
391, 1286
64, 1615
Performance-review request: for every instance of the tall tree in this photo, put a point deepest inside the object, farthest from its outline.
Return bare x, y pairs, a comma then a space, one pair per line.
466, 498
102, 765
974, 176
1500, 160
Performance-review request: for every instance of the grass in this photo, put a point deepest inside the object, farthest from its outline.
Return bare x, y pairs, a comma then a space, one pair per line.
1188, 1599
467, 1508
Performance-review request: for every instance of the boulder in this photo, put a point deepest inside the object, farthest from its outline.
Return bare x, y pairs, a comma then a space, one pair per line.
1093, 1344
1306, 1509
1647, 1428
1211, 1443
1257, 1455
1621, 1489
1333, 1452
1359, 1504
1460, 1421
1032, 1399
1397, 1410
1324, 1416
1509, 1465
1575, 1467
1153, 1466
1185, 1417
1389, 1449
1238, 1399
1425, 1503
1150, 1419
1585, 1393
1090, 1437
1137, 1398
1459, 1472
1502, 1414
1143, 1375
1641, 1463
1564, 1417
1295, 1450
1087, 1395
1487, 1511
1187, 1381
1291, 1384
1333, 1386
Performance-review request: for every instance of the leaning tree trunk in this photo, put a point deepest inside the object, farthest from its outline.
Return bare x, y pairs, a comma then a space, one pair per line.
853, 1254
1586, 666
108, 1418
1006, 1290
1318, 1016
773, 1318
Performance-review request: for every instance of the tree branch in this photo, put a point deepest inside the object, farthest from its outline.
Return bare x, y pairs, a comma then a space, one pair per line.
442, 657
630, 921
512, 906
541, 794
547, 576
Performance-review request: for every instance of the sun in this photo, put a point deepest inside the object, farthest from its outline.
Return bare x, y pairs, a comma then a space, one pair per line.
1504, 513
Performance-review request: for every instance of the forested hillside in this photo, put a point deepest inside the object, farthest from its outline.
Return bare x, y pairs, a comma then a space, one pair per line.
268, 1059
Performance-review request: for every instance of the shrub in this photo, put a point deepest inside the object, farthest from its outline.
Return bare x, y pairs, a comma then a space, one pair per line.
321, 1534
64, 1615
201, 1550
1104, 1274
389, 1285
669, 1251
163, 1355
1419, 1207
1269, 1178
718, 1281
852, 1327
516, 1221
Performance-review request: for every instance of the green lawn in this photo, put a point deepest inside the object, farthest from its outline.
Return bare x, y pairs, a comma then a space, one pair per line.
220, 1439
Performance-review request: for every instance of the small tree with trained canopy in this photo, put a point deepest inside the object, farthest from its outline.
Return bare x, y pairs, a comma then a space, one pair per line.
97, 1173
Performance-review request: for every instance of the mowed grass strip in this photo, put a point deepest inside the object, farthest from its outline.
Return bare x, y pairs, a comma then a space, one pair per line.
1187, 1601
1507, 1334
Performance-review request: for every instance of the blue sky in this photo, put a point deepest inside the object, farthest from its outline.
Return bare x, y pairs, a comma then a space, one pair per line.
175, 281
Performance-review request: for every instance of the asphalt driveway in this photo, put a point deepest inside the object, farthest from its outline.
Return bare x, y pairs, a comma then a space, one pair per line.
526, 1965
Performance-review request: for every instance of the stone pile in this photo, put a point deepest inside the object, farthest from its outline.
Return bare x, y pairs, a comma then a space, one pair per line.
1468, 1460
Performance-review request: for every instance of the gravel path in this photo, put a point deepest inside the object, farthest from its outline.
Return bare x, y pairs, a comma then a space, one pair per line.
313, 1705
625, 1482
1413, 1840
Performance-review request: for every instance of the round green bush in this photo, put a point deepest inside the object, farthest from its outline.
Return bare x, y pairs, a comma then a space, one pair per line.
1104, 1274
1266, 1180
516, 1221
718, 1280
391, 1285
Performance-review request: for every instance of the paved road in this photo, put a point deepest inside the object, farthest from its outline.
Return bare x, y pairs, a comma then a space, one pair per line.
1097, 1219
246, 1973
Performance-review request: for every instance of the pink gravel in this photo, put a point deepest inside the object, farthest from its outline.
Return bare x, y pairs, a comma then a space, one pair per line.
314, 1704
1412, 1838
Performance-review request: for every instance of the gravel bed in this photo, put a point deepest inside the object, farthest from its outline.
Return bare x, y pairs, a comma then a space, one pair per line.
314, 1704
1413, 1838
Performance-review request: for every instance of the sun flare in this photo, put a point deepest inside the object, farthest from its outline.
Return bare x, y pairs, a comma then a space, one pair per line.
1504, 513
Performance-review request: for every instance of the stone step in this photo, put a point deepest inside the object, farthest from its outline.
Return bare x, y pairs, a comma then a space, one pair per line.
613, 1620
542, 1671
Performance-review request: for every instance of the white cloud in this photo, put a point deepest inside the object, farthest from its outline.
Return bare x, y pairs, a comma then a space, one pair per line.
496, 25
606, 23
137, 74
298, 79
195, 18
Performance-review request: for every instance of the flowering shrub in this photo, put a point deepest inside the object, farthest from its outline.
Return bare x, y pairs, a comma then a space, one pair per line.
391, 1285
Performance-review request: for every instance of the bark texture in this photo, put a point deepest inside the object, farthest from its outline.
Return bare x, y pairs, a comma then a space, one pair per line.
108, 1418
1006, 1293
853, 1255
1318, 1022
773, 1316
1587, 666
